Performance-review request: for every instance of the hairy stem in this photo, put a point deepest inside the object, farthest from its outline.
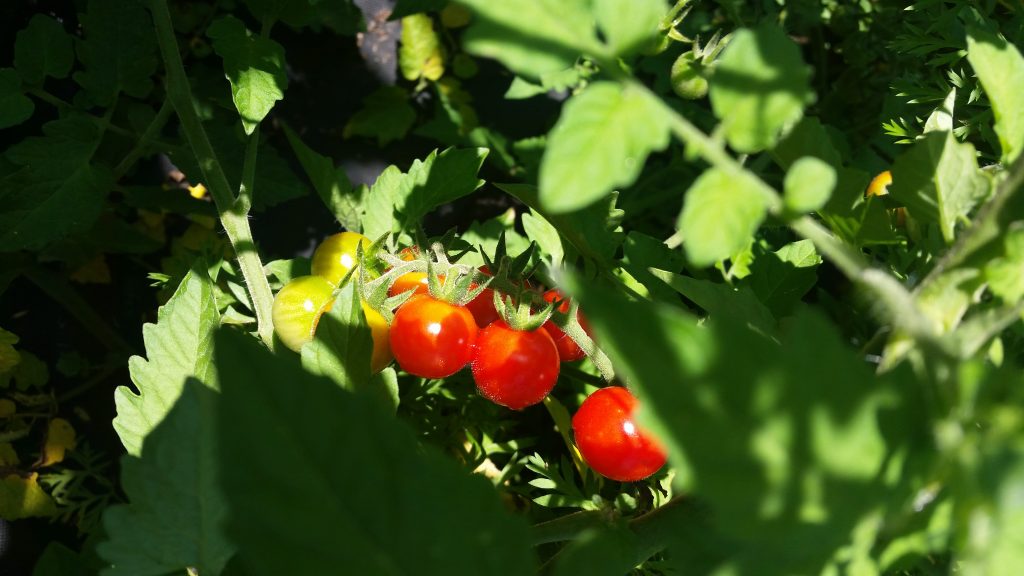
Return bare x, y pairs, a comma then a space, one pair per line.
234, 221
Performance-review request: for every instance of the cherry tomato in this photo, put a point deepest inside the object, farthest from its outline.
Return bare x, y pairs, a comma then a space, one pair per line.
688, 77
412, 281
298, 307
568, 350
336, 255
432, 338
879, 185
611, 442
514, 368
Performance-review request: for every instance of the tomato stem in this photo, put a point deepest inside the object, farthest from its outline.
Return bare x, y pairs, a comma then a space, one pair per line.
234, 221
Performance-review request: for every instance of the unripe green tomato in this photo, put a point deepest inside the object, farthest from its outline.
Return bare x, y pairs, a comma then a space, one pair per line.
337, 254
688, 79
298, 307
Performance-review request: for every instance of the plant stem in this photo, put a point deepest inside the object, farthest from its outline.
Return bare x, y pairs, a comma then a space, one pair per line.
244, 201
899, 303
154, 128
235, 222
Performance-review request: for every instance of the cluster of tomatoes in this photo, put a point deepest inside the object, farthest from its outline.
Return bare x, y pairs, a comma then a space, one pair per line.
514, 363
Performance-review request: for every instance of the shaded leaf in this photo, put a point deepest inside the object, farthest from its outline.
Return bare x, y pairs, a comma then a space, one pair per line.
1000, 68
254, 66
118, 52
386, 115
43, 49
15, 107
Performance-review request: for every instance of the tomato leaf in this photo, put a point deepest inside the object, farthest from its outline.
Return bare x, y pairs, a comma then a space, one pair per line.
57, 191
603, 551
362, 493
938, 181
531, 37
255, 67
420, 55
178, 347
398, 200
386, 115
15, 107
629, 25
759, 88
808, 185
1000, 68
43, 49
330, 182
342, 346
601, 141
776, 453
118, 52
721, 212
173, 491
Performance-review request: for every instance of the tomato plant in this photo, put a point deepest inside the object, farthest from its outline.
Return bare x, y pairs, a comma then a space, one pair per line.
514, 368
796, 230
432, 338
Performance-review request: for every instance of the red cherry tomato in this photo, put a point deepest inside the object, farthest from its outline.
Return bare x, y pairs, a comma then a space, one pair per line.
514, 368
568, 350
610, 441
432, 338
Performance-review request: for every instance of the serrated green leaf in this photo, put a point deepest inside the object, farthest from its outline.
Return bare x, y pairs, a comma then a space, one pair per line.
545, 235
600, 142
642, 252
396, 201
629, 26
119, 50
342, 345
177, 347
358, 488
15, 107
330, 182
420, 55
759, 88
1000, 68
721, 212
531, 37
808, 185
938, 181
176, 510
57, 191
43, 49
386, 115
781, 278
254, 66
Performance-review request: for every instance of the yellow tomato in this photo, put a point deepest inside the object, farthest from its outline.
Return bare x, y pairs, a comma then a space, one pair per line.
337, 254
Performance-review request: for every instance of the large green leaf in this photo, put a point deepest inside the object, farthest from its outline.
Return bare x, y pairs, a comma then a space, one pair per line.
721, 300
43, 49
938, 181
781, 278
330, 182
531, 37
356, 491
119, 50
178, 347
760, 86
786, 442
420, 55
255, 67
601, 141
176, 511
629, 25
721, 212
57, 191
397, 200
15, 107
1000, 68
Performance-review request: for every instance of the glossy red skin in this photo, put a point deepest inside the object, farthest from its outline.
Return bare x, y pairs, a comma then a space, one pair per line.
514, 368
610, 441
432, 338
568, 350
